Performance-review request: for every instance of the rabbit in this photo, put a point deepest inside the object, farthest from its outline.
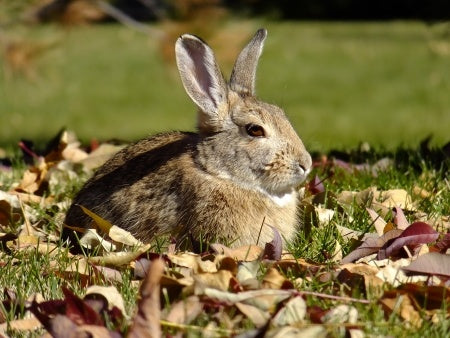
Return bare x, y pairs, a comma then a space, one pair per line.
228, 182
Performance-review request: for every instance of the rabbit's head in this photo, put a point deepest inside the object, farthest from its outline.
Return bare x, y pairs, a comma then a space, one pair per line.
242, 139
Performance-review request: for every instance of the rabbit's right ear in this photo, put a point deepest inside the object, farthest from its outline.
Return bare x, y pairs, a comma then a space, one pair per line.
201, 78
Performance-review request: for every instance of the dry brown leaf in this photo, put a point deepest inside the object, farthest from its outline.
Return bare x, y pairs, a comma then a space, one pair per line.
185, 311
20, 325
245, 253
324, 215
378, 222
273, 279
316, 331
341, 314
107, 274
402, 304
393, 198
294, 311
264, 299
146, 321
297, 266
258, 317
120, 258
367, 271
30, 182
391, 272
92, 240
219, 280
122, 236
100, 155
193, 262
110, 293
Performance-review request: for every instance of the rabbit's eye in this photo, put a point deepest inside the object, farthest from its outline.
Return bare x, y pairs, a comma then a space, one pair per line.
254, 130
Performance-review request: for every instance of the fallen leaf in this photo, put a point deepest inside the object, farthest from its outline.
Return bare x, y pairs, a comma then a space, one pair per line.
244, 253
219, 280
110, 293
429, 297
341, 314
120, 258
370, 246
417, 233
101, 223
78, 311
122, 236
315, 185
315, 331
394, 198
378, 222
247, 273
391, 272
185, 311
23, 326
324, 215
273, 279
257, 316
400, 219
92, 240
273, 249
264, 299
443, 245
432, 264
100, 155
401, 303
146, 321
294, 311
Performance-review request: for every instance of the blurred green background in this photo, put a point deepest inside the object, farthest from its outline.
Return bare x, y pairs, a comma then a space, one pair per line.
340, 83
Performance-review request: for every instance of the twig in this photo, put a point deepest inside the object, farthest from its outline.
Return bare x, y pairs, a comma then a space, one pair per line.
344, 299
125, 19
27, 221
186, 327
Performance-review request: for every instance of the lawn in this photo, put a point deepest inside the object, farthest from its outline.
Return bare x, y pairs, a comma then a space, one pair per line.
340, 83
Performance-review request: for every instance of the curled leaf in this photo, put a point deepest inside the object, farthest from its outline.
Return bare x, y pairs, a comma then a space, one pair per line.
417, 233
370, 246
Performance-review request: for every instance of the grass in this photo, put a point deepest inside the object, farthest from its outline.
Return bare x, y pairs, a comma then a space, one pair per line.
340, 83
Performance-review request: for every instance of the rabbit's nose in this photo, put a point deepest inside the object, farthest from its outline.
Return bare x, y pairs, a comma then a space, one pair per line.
305, 164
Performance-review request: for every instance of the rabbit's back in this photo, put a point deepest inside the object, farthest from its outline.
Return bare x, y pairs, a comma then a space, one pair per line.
132, 189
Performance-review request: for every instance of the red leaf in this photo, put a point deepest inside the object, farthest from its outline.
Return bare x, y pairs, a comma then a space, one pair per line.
370, 246
417, 233
315, 186
79, 311
273, 249
46, 311
443, 245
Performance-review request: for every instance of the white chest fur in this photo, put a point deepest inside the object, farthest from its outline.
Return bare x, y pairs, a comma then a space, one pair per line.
284, 200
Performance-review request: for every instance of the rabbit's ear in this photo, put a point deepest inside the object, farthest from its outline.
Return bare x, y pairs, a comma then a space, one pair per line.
200, 74
244, 72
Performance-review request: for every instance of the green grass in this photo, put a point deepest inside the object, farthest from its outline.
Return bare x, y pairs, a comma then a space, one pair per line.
340, 83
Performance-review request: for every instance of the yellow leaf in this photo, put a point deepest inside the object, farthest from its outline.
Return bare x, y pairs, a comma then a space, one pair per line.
102, 224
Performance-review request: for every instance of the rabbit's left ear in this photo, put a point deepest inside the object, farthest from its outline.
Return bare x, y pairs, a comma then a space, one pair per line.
244, 71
